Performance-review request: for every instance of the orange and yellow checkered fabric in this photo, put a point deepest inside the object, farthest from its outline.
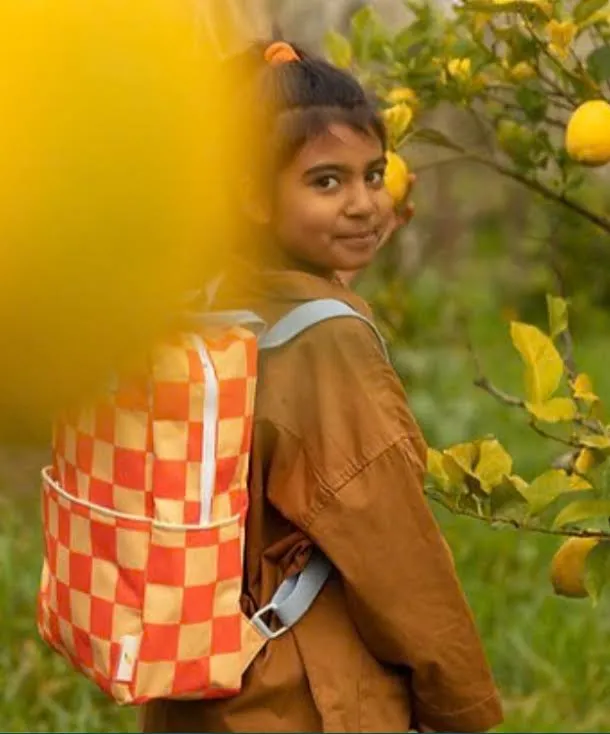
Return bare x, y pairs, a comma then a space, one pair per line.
143, 565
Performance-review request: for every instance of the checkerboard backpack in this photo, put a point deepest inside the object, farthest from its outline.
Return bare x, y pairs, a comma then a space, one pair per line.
144, 510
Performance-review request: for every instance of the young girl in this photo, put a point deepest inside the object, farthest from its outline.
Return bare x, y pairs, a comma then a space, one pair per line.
338, 461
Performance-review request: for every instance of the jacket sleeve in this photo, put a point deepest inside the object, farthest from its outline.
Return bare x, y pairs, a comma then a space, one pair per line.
355, 487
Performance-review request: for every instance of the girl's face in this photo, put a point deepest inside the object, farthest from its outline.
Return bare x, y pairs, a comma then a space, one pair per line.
331, 205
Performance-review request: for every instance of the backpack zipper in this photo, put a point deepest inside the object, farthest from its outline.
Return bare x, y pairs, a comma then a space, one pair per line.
210, 425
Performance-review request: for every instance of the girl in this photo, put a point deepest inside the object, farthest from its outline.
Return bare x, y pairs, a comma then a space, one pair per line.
338, 461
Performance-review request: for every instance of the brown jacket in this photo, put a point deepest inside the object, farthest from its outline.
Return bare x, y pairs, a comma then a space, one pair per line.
338, 461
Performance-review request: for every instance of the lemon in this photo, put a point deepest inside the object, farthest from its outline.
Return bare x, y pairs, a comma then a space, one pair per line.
568, 567
588, 133
396, 177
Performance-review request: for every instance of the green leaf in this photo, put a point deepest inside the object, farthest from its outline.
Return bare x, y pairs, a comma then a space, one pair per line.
577, 482
600, 17
508, 501
533, 101
585, 9
598, 63
558, 315
555, 410
583, 389
581, 510
435, 467
519, 484
595, 442
523, 47
546, 488
370, 40
363, 19
494, 464
339, 49
543, 365
597, 570
522, 7
455, 474
464, 455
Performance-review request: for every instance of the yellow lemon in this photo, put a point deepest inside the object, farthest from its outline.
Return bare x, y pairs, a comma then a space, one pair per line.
588, 133
568, 567
396, 177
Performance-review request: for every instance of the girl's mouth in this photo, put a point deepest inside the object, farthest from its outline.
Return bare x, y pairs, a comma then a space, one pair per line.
360, 240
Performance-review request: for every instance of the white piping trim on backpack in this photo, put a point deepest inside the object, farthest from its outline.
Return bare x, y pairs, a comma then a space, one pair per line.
210, 420
48, 479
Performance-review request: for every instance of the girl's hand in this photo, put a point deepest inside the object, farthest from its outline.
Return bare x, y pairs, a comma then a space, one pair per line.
398, 217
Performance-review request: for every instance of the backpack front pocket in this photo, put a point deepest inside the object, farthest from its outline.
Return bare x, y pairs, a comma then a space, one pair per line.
144, 609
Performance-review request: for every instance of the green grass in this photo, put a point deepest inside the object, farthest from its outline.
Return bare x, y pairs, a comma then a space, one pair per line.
551, 656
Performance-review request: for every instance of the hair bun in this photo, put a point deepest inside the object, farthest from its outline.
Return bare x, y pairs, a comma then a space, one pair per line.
279, 53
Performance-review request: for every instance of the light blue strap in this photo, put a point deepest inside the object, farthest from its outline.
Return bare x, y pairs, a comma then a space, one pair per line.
307, 315
294, 597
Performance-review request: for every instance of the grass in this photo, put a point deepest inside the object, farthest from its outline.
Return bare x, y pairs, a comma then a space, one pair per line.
550, 655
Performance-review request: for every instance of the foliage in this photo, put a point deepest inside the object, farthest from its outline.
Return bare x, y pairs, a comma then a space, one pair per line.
507, 77
518, 69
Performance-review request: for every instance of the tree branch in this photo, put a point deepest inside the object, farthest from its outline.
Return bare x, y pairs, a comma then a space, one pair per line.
442, 162
502, 520
559, 198
556, 62
552, 121
551, 436
485, 384
540, 188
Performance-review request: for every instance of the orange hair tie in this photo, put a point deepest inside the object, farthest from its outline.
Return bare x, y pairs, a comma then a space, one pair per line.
280, 53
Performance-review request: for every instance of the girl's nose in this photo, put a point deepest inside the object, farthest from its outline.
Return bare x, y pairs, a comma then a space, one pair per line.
361, 201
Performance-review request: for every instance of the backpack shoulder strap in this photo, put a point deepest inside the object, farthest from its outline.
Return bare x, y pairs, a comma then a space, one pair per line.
309, 314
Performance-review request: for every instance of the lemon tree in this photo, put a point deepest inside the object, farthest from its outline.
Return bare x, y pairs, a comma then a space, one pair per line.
572, 497
535, 74
535, 77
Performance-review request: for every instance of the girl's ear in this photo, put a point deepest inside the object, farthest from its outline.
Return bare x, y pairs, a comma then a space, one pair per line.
255, 201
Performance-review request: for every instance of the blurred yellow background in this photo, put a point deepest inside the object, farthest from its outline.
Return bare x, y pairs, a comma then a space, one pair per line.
116, 143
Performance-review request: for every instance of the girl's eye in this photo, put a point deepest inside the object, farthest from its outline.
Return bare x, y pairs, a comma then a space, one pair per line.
326, 183
375, 178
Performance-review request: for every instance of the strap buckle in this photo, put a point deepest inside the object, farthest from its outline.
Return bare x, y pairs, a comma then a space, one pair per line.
293, 598
258, 620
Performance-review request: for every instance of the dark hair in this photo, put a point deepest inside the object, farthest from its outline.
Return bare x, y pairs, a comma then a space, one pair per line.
298, 100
